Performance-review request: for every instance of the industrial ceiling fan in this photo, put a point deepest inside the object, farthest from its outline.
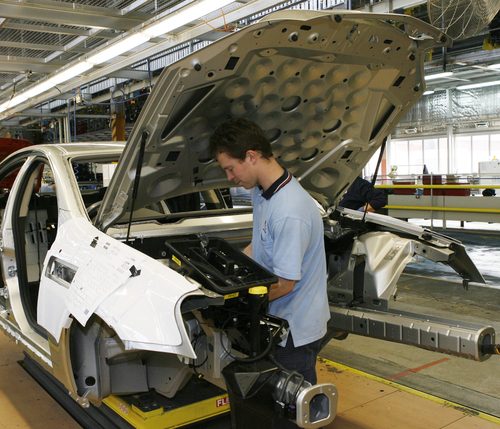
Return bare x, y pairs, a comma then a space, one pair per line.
462, 18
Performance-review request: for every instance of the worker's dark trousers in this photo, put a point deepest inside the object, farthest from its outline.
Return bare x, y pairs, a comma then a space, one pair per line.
301, 359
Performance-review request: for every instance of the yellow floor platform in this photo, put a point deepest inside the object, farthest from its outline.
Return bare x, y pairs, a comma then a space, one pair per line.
365, 402
163, 415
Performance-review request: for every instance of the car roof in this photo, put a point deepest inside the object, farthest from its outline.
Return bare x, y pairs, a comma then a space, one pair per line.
70, 150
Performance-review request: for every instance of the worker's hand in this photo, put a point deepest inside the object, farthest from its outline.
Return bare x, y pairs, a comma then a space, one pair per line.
367, 207
248, 250
282, 288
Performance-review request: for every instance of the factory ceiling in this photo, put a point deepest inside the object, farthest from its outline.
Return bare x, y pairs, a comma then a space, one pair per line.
55, 51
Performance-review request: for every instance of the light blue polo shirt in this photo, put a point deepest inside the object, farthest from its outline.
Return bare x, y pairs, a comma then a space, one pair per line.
288, 240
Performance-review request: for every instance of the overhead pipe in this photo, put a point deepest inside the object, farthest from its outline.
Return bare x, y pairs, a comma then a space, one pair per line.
59, 129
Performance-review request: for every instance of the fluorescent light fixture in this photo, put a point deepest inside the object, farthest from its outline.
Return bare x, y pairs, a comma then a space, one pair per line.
45, 85
479, 85
116, 49
18, 99
162, 26
438, 75
184, 16
70, 72
428, 92
38, 89
58, 78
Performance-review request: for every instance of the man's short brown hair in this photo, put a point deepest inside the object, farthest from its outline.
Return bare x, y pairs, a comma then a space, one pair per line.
236, 136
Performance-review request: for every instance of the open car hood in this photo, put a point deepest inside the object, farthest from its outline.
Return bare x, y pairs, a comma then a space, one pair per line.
326, 87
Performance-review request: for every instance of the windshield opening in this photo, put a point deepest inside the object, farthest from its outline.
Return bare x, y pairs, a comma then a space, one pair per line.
93, 178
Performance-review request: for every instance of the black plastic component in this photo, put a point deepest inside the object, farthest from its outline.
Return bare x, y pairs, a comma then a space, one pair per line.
231, 64
359, 279
247, 379
251, 389
196, 390
258, 307
216, 264
462, 264
399, 81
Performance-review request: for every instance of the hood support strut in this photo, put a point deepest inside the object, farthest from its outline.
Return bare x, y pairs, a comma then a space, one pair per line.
374, 178
137, 178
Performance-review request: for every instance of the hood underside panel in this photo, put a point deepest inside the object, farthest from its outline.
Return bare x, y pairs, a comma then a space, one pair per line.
326, 87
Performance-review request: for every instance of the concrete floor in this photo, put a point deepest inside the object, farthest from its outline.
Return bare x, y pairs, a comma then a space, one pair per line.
368, 403
23, 403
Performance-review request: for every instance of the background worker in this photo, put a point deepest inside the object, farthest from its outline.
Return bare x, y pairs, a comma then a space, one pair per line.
363, 195
287, 239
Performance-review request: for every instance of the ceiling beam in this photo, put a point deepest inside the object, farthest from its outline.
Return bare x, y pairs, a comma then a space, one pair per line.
104, 34
35, 113
136, 4
74, 14
20, 64
41, 47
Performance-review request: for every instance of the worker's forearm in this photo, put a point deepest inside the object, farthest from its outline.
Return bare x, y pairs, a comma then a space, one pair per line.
282, 288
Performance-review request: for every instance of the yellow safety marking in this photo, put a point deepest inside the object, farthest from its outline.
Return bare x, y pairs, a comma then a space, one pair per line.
444, 209
174, 418
231, 295
464, 186
176, 260
415, 392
